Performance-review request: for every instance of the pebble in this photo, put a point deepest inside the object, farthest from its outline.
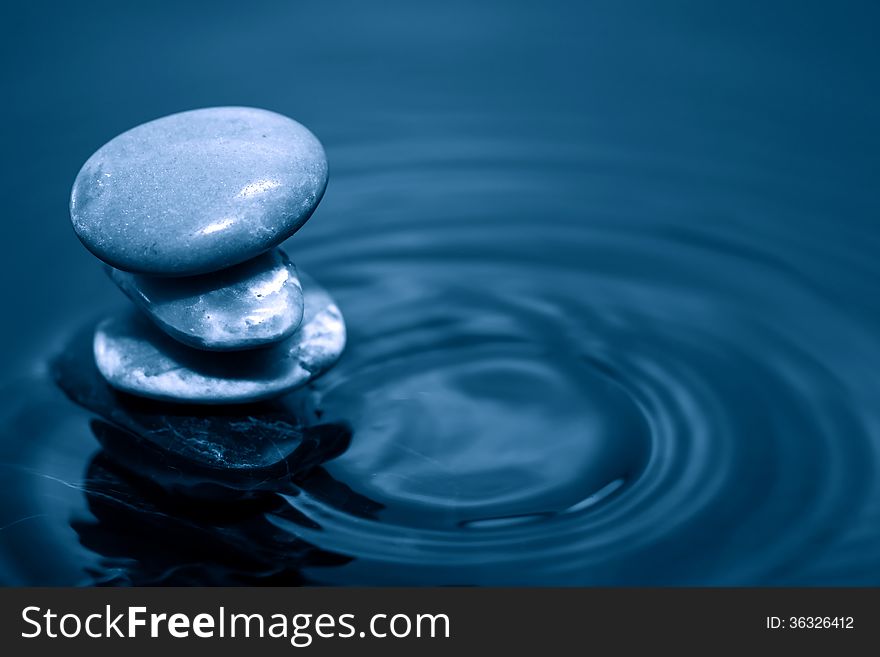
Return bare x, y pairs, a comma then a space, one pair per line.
250, 305
171, 443
198, 191
136, 357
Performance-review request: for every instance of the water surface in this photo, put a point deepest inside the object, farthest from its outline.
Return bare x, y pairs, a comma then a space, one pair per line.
609, 272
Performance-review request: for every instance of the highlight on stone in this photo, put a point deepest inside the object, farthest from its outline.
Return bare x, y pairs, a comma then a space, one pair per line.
254, 304
195, 192
187, 212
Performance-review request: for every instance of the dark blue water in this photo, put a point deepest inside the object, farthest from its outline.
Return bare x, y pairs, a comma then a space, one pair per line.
609, 270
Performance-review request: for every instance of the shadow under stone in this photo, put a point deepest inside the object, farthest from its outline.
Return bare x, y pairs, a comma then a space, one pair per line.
186, 494
281, 436
149, 536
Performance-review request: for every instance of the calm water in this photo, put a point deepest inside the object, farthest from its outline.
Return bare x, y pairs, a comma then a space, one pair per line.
609, 269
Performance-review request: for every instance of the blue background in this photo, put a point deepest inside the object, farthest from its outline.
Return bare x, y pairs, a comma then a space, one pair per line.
609, 269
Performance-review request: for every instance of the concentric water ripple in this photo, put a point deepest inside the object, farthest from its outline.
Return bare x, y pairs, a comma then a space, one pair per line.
549, 402
564, 401
610, 278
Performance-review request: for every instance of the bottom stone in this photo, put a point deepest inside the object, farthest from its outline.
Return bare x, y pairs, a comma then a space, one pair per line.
136, 357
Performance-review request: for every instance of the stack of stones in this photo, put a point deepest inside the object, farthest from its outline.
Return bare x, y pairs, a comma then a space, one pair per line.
187, 212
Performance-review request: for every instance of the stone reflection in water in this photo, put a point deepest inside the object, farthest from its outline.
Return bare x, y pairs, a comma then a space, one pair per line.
242, 437
184, 494
150, 533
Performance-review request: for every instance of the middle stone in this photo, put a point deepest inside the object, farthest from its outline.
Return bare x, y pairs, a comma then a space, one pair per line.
256, 303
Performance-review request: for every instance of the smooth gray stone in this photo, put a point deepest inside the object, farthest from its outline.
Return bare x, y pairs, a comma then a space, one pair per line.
246, 306
198, 191
136, 357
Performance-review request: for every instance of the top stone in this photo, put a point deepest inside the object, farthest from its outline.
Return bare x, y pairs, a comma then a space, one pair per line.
198, 191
